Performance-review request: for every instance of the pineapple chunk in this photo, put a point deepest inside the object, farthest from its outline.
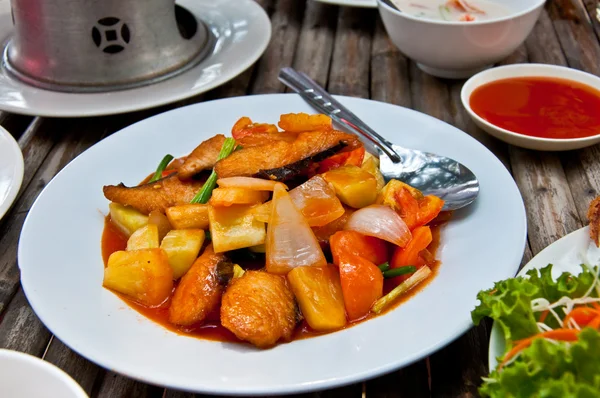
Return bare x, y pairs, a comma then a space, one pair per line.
371, 165
319, 294
144, 275
191, 216
354, 186
144, 238
238, 271
236, 196
234, 227
182, 247
126, 218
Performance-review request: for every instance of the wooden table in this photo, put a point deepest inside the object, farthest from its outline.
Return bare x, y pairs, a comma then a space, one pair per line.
348, 51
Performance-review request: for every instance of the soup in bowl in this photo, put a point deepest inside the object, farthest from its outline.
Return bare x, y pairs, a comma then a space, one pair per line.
458, 38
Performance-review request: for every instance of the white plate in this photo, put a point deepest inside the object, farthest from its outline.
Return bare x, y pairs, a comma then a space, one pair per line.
11, 170
25, 376
352, 3
565, 255
241, 27
61, 264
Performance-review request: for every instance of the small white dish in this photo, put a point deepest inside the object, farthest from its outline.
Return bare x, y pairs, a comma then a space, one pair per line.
11, 170
565, 255
525, 70
457, 50
352, 3
101, 327
25, 376
242, 30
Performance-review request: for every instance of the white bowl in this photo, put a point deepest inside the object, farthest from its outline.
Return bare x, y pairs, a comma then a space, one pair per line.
524, 70
458, 50
25, 376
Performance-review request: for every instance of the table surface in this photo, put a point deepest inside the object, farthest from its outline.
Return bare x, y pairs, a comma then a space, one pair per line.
347, 51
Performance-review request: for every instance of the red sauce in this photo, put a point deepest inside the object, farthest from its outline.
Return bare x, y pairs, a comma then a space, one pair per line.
540, 107
113, 240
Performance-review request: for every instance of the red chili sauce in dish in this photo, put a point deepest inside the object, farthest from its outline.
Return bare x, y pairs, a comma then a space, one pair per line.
539, 107
211, 329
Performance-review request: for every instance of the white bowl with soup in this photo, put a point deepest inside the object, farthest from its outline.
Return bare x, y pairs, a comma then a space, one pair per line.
458, 38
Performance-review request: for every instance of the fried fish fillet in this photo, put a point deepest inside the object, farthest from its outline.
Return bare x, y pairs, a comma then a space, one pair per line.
594, 220
203, 157
257, 160
260, 139
259, 308
199, 291
159, 195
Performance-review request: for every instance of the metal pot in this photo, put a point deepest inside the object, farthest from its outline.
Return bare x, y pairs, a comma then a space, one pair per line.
102, 45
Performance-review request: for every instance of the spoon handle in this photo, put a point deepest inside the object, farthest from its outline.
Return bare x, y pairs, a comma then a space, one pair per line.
324, 102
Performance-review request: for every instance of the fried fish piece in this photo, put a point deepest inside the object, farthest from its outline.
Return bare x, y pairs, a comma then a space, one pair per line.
265, 160
199, 291
159, 195
594, 220
203, 157
259, 308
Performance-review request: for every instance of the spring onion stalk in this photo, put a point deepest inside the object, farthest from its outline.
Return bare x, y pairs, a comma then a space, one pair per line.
445, 12
416, 278
204, 194
207, 235
384, 267
408, 269
161, 167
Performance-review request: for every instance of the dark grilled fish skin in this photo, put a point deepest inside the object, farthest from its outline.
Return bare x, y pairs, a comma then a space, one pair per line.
259, 308
199, 291
159, 195
203, 157
250, 161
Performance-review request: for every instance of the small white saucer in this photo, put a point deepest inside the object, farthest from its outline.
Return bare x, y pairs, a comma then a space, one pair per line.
242, 30
352, 3
25, 376
11, 170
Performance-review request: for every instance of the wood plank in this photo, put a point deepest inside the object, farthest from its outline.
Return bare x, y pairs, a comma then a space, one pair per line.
80, 369
390, 80
593, 10
409, 382
576, 34
117, 386
20, 328
15, 124
315, 44
349, 74
286, 22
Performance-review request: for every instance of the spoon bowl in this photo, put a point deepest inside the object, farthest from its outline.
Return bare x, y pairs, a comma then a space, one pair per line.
430, 173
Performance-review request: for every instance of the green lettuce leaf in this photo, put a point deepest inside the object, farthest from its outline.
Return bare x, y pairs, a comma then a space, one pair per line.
509, 301
549, 369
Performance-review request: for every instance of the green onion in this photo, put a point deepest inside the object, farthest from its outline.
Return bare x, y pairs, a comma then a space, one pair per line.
207, 235
384, 267
161, 167
444, 12
416, 278
204, 194
409, 269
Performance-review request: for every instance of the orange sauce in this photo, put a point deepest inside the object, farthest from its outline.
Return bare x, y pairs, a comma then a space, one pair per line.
539, 107
113, 240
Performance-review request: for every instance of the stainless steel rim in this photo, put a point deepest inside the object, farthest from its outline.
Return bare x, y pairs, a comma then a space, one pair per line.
207, 49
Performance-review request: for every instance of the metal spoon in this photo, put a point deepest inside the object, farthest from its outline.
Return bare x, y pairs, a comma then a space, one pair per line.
428, 172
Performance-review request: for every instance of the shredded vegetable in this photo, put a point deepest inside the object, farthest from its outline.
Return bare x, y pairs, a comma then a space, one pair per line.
204, 194
161, 167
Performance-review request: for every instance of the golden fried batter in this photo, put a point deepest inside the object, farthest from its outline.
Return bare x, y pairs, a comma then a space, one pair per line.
259, 308
159, 195
198, 292
594, 220
203, 157
250, 161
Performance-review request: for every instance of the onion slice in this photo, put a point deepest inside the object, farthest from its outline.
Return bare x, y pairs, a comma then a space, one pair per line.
254, 184
381, 222
290, 241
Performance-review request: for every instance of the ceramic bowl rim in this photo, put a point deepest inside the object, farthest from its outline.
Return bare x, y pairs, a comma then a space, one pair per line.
572, 75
